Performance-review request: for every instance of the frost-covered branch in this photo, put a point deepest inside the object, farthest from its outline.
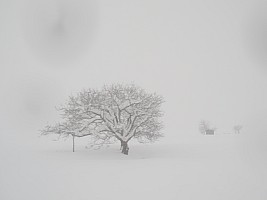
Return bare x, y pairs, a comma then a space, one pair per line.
116, 112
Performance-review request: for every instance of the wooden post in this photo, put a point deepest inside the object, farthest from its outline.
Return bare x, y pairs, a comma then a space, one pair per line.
72, 143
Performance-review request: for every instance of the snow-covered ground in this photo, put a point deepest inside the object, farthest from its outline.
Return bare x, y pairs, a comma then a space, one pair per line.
212, 167
206, 58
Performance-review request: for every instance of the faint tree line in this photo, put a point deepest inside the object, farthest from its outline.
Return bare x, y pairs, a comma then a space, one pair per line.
204, 128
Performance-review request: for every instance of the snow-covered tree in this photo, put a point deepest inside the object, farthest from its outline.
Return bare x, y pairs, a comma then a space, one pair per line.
237, 128
116, 112
204, 128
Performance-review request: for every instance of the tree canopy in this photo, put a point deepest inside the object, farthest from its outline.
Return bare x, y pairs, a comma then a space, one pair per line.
116, 112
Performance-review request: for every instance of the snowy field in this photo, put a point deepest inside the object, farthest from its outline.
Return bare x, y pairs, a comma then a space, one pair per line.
206, 58
212, 167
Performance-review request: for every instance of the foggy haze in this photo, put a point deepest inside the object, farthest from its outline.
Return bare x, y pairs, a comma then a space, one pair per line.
206, 58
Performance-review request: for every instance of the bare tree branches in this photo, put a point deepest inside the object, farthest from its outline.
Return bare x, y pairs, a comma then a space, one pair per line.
118, 111
237, 128
204, 128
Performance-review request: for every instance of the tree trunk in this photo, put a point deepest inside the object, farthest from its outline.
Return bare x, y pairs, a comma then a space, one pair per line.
125, 147
73, 143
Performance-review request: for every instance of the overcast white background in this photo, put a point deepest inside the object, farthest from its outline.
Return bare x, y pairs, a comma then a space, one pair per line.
207, 58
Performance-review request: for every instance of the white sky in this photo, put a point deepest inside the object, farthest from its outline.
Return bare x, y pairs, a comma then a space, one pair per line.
207, 58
